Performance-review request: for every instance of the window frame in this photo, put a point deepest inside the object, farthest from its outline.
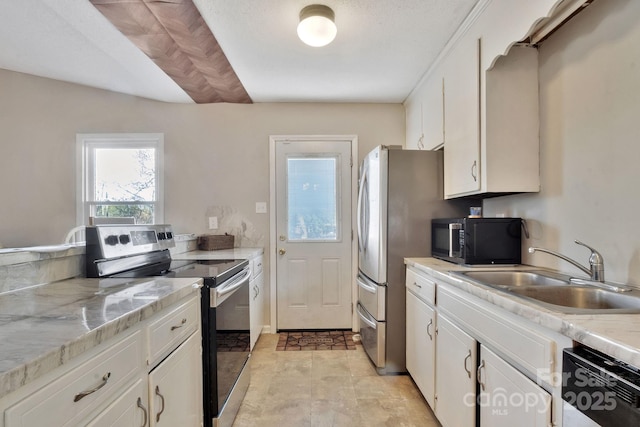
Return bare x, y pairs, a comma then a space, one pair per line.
85, 157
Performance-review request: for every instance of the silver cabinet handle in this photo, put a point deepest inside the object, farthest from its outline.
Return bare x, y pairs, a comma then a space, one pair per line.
479, 375
474, 169
182, 322
428, 326
416, 285
468, 357
161, 410
84, 394
144, 411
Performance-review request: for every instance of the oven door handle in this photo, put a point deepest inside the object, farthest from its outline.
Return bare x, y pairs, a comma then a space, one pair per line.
234, 283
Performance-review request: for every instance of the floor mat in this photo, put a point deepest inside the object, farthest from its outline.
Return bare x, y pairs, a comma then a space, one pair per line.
316, 340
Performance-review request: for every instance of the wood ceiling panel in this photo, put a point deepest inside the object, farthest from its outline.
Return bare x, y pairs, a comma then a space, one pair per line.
175, 36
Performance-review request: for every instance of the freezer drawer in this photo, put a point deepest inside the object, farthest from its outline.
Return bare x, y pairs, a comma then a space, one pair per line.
373, 337
372, 297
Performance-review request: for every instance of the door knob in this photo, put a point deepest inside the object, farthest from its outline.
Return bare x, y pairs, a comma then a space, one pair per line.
282, 251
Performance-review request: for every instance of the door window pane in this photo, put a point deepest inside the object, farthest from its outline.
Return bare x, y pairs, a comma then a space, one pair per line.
312, 198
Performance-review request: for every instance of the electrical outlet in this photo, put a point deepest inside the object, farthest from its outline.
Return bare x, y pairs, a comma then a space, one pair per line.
213, 223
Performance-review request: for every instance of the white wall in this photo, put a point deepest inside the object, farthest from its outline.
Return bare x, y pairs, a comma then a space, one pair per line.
589, 143
216, 155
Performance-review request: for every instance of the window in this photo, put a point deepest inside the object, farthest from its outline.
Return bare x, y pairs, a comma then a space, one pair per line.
312, 198
120, 176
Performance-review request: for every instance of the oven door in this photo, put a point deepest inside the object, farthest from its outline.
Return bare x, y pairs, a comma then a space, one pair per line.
226, 350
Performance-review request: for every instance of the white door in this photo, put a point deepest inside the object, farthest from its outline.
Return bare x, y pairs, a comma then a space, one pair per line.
313, 234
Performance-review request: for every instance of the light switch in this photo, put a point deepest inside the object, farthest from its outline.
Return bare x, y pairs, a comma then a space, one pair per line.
261, 207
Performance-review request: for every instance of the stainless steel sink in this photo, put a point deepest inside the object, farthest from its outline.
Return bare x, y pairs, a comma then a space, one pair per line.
516, 279
581, 298
556, 291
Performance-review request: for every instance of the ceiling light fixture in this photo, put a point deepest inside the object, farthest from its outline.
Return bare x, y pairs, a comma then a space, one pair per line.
317, 27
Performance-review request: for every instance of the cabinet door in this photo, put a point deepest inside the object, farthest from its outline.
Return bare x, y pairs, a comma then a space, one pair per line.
131, 409
456, 356
175, 387
507, 397
462, 118
256, 304
433, 112
421, 345
413, 115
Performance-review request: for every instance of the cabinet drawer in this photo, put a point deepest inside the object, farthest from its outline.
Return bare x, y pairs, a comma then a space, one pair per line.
525, 347
131, 408
256, 266
421, 285
73, 396
167, 332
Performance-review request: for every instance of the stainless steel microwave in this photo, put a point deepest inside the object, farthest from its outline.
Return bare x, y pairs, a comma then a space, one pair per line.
477, 241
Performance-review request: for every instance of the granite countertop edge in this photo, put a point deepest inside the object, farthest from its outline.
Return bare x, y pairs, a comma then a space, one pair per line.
617, 335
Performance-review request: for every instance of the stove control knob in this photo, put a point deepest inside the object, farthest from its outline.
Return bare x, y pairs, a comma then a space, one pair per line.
162, 236
124, 239
169, 235
111, 240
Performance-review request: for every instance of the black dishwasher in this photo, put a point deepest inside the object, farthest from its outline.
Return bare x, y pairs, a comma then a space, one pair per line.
599, 387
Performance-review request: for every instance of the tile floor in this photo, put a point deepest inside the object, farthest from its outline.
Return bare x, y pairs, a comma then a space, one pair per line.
327, 388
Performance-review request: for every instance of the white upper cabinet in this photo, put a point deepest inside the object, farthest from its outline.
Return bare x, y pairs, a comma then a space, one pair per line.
481, 99
425, 114
462, 117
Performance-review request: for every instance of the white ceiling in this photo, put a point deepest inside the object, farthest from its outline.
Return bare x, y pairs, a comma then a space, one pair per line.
382, 49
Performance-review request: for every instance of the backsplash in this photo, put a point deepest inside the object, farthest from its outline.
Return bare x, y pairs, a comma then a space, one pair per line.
24, 267
233, 222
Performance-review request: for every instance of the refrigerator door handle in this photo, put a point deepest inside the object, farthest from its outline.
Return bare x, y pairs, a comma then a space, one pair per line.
361, 193
365, 318
362, 282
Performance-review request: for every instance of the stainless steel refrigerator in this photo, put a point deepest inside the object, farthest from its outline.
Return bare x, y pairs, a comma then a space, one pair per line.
399, 192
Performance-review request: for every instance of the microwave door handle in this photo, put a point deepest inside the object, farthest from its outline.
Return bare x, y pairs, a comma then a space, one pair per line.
454, 228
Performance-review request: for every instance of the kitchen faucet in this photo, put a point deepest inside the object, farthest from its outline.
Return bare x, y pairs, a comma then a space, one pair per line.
596, 262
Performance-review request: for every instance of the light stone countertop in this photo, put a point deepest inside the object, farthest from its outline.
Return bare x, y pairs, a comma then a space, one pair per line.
45, 326
617, 335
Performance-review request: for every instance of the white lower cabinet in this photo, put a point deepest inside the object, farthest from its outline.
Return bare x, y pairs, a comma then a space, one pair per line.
456, 362
79, 392
421, 345
115, 384
507, 397
484, 366
175, 387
